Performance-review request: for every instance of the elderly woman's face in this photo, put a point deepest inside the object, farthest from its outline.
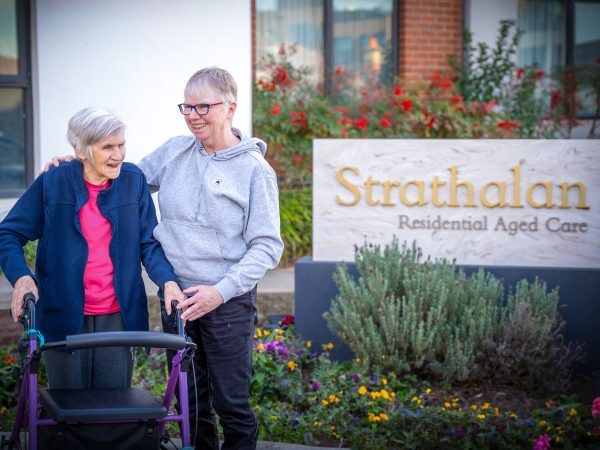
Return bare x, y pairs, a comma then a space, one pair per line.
109, 154
210, 126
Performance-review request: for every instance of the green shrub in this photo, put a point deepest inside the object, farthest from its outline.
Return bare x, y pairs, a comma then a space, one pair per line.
295, 209
407, 314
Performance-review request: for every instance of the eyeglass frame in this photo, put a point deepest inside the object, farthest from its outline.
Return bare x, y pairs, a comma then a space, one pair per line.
204, 105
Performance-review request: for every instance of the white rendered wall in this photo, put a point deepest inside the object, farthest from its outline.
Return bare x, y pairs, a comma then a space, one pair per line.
133, 58
482, 18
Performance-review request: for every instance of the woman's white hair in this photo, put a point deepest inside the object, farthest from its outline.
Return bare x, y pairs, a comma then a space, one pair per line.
89, 126
216, 79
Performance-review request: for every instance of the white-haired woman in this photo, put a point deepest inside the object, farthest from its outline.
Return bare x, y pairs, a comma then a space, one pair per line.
94, 219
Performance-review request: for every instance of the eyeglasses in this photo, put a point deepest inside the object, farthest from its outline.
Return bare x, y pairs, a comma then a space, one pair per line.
201, 108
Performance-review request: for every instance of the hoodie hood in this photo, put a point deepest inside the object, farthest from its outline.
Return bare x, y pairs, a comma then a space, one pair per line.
246, 145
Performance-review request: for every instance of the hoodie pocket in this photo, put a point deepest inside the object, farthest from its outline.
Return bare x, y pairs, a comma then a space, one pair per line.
188, 248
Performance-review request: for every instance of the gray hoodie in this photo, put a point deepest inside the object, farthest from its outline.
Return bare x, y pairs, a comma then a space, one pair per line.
219, 212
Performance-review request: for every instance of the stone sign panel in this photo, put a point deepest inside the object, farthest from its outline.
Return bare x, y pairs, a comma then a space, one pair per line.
533, 203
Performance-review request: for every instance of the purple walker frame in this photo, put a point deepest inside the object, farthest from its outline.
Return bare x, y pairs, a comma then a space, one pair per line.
28, 408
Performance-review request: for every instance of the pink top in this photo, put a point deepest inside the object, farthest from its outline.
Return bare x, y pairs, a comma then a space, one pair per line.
98, 286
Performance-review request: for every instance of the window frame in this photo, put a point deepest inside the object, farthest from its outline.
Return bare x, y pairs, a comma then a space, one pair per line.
328, 43
23, 81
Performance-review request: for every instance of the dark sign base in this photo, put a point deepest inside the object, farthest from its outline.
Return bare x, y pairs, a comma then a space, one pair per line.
579, 292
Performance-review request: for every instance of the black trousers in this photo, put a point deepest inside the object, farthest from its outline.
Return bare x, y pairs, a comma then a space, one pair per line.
219, 380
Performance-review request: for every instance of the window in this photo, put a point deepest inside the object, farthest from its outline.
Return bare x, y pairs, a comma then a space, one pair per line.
356, 36
560, 32
15, 99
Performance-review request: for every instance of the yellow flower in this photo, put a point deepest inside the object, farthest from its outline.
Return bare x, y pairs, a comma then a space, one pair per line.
393, 395
357, 360
324, 402
279, 331
259, 332
557, 438
267, 332
362, 390
485, 406
481, 416
474, 407
447, 405
428, 391
572, 412
384, 416
384, 381
261, 346
333, 399
496, 412
340, 392
3, 410
309, 344
375, 395
277, 338
385, 394
513, 416
315, 424
542, 423
417, 401
374, 418
328, 346
292, 365
273, 417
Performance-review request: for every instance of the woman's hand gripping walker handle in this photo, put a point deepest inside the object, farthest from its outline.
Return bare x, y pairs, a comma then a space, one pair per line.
27, 315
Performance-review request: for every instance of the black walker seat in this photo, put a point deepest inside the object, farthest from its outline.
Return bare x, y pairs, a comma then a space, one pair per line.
93, 405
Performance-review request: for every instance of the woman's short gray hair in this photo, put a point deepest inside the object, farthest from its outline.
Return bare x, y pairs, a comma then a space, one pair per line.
218, 80
89, 126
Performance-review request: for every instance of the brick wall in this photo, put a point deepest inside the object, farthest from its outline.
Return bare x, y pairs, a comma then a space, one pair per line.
429, 31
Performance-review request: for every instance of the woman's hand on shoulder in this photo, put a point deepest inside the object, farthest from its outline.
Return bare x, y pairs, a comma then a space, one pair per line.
24, 285
56, 160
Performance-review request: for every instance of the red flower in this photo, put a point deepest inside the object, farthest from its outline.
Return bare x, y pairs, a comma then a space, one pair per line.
385, 122
539, 73
554, 99
344, 132
431, 122
299, 118
438, 81
342, 109
365, 94
361, 124
397, 91
298, 159
281, 74
287, 320
508, 125
596, 408
276, 109
9, 359
519, 73
267, 85
455, 100
339, 70
406, 104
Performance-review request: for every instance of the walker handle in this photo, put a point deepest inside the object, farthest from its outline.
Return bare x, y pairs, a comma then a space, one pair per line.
27, 316
178, 312
125, 339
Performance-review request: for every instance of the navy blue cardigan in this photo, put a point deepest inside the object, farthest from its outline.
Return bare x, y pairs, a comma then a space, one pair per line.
49, 211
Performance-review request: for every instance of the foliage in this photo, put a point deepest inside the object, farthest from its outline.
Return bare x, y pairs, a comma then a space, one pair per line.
300, 396
295, 209
481, 74
428, 317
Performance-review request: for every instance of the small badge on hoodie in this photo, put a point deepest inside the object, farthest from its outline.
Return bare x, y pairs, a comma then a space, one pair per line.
217, 182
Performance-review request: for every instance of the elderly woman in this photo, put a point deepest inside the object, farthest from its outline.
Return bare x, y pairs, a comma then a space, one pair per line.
219, 228
94, 219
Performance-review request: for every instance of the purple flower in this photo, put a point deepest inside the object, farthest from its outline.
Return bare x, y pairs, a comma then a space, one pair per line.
457, 433
316, 385
476, 427
542, 443
356, 377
